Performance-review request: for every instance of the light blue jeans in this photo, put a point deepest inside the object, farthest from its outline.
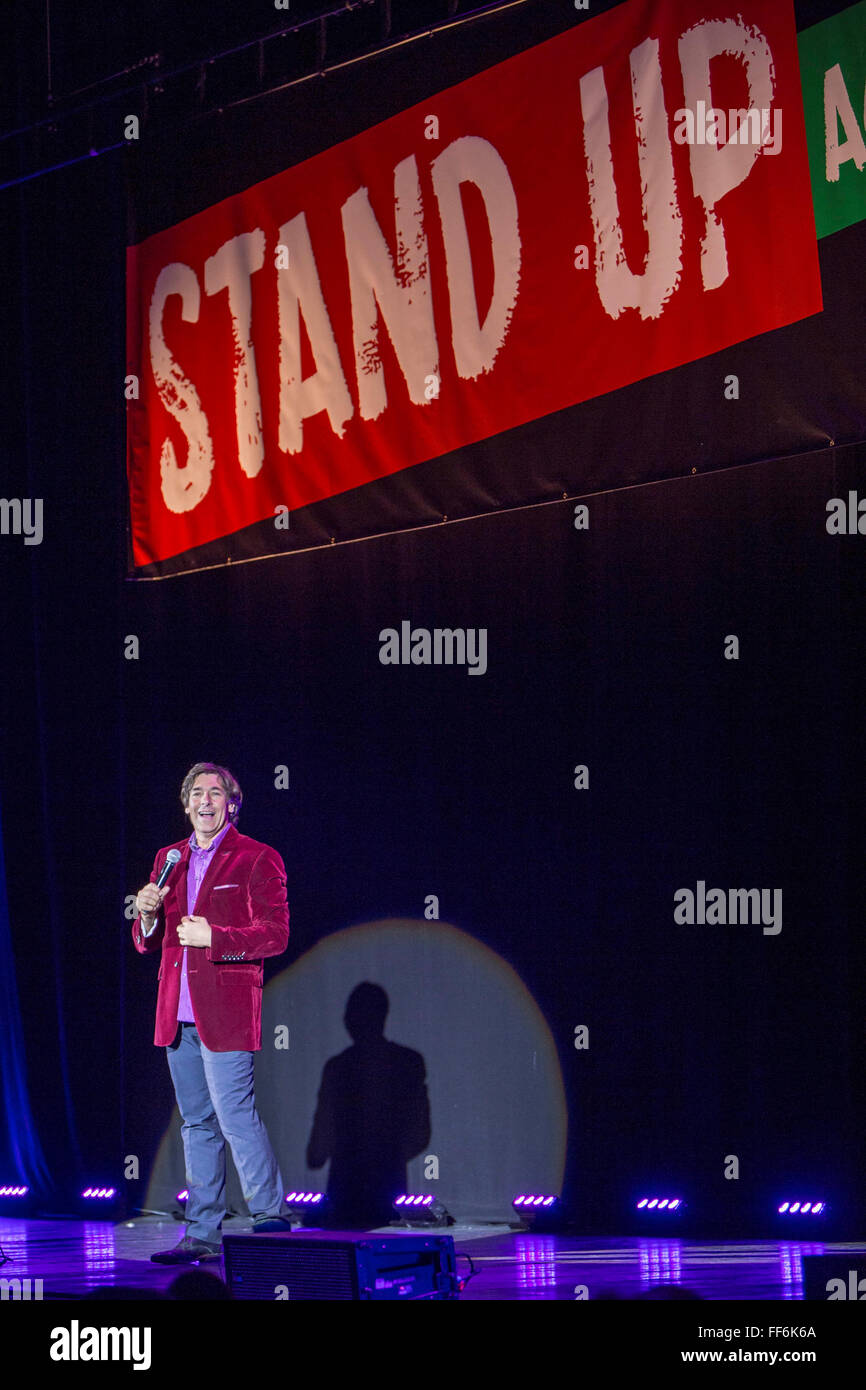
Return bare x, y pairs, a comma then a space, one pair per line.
215, 1097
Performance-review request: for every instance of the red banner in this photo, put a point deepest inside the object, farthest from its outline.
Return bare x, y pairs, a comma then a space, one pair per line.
618, 201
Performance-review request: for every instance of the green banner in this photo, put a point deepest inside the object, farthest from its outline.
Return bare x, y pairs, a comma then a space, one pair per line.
833, 69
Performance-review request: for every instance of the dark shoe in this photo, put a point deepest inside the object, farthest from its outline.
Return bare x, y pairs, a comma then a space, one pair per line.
188, 1251
275, 1224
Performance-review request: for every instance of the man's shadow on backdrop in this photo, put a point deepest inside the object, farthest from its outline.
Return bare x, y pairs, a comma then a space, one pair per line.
372, 1116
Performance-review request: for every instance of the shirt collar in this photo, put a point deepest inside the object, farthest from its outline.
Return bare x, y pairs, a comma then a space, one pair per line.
197, 848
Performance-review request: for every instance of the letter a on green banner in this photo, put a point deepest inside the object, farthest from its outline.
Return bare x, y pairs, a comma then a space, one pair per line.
833, 69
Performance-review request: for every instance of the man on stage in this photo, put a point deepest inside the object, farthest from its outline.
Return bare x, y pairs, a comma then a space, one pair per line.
222, 909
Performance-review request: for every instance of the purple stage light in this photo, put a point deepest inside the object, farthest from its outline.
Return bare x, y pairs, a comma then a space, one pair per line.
12, 1191
537, 1209
659, 1204
425, 1207
798, 1208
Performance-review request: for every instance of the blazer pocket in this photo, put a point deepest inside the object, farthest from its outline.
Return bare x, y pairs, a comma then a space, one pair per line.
239, 972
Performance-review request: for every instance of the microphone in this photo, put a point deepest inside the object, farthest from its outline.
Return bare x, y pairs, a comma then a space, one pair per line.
170, 860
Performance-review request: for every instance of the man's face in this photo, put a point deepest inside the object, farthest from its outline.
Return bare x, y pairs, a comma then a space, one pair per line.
208, 807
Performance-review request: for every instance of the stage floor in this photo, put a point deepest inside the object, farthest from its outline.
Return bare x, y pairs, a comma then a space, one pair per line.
72, 1258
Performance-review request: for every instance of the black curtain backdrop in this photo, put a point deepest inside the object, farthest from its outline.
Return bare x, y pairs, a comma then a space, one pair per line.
605, 648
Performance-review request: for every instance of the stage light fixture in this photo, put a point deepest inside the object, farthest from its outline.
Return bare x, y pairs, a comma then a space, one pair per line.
178, 1210
800, 1208
542, 1211
663, 1204
102, 1201
14, 1198
302, 1203
421, 1209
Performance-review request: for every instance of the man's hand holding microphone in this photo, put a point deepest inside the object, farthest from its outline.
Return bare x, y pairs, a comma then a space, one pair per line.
148, 902
193, 931
149, 898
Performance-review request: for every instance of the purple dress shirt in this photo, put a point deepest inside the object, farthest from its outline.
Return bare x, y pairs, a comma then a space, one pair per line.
199, 861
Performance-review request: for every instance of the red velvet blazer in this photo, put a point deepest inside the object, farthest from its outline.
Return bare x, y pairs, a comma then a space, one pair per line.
243, 896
